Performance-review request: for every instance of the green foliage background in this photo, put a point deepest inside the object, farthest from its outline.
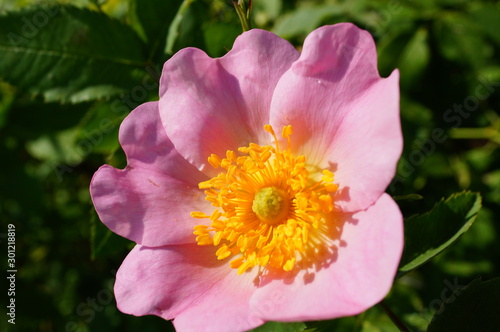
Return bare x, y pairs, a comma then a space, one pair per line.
70, 71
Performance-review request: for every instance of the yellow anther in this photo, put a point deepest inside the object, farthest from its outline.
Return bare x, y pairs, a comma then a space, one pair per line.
223, 252
217, 224
276, 259
225, 163
255, 147
241, 242
327, 176
198, 215
326, 203
302, 203
217, 238
230, 172
204, 239
215, 215
266, 250
230, 155
200, 231
265, 156
232, 236
262, 240
243, 267
214, 160
269, 129
263, 260
205, 185
287, 131
305, 233
249, 165
331, 187
254, 155
244, 149
289, 264
236, 263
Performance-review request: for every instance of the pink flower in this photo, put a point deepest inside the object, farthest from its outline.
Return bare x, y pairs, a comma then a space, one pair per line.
235, 224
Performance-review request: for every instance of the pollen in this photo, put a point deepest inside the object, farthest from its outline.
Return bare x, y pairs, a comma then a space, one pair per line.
270, 207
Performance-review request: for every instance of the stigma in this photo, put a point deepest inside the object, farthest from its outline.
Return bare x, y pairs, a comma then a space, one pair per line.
271, 205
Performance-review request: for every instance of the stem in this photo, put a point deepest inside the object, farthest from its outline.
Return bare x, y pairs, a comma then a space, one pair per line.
473, 133
395, 319
412, 197
243, 12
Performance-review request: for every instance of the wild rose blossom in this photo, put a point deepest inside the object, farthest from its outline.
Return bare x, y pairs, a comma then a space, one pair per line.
255, 185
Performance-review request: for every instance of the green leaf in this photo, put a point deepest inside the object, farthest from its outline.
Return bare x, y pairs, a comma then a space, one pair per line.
428, 234
460, 40
99, 129
389, 49
475, 308
280, 327
266, 10
59, 147
338, 324
69, 54
151, 19
186, 26
31, 119
304, 20
103, 242
6, 100
219, 38
414, 59
487, 17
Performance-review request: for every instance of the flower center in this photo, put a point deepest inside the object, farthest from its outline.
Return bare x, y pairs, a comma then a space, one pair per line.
270, 209
271, 205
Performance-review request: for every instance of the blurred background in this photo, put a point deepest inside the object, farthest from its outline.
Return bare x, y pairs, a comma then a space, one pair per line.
70, 71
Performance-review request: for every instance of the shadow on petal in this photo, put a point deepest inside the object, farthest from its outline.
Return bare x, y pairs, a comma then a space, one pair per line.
320, 253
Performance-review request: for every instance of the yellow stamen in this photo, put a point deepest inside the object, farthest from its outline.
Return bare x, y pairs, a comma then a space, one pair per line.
214, 160
270, 208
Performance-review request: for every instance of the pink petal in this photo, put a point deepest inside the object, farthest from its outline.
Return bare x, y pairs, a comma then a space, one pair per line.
186, 283
147, 207
150, 201
212, 105
344, 115
368, 144
362, 274
147, 146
